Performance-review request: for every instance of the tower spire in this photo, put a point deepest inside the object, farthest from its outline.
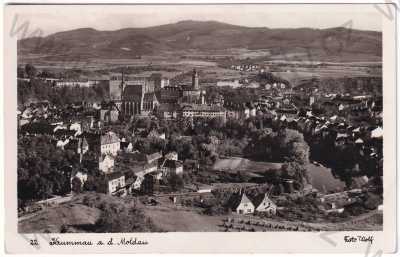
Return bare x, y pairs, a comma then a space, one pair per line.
195, 80
122, 83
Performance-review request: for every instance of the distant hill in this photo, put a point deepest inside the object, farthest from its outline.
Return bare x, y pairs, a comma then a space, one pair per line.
201, 36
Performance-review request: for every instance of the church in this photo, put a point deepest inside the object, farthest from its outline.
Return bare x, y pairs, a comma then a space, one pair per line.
133, 95
193, 94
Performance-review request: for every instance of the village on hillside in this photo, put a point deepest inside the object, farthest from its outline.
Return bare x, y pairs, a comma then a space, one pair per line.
173, 154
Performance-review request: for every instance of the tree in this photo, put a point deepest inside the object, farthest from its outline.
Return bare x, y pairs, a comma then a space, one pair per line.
175, 182
30, 70
76, 185
292, 145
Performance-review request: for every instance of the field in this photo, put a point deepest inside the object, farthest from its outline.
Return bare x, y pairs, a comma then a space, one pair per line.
77, 216
235, 164
170, 217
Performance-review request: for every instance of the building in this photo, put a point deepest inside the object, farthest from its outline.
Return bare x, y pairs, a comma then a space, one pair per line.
171, 156
170, 95
109, 113
167, 111
106, 163
109, 143
134, 95
72, 83
103, 143
116, 184
202, 111
266, 206
193, 94
171, 167
241, 204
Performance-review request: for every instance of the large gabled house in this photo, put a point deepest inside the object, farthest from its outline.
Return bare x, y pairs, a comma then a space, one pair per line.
241, 204
107, 143
265, 205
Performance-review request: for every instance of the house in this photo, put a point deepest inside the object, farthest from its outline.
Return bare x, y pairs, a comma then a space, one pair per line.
142, 164
172, 156
103, 143
153, 158
116, 184
202, 111
109, 115
138, 182
77, 127
62, 143
155, 134
109, 143
377, 133
126, 146
106, 163
266, 206
171, 166
167, 111
241, 204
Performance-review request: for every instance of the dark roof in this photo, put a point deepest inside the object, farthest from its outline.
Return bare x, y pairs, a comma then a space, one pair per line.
153, 156
150, 97
172, 164
236, 199
124, 144
132, 93
114, 175
167, 107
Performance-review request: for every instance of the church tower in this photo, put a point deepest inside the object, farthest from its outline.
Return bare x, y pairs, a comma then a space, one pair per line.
121, 87
195, 80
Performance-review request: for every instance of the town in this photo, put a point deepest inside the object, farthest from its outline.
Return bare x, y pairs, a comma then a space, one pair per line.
259, 154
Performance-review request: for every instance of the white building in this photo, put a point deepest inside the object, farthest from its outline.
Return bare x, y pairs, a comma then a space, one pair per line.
244, 205
116, 184
109, 144
267, 206
106, 163
172, 156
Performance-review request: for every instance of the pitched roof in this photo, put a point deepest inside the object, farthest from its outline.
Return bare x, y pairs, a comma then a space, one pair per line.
262, 198
236, 199
109, 138
114, 175
172, 164
150, 97
167, 107
153, 156
377, 133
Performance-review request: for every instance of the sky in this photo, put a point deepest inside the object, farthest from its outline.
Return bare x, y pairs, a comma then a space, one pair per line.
56, 18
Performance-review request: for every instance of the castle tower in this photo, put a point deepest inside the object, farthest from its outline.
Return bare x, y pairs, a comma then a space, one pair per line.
195, 80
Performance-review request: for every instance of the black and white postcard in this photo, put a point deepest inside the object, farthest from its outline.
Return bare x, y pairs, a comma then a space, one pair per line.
200, 128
